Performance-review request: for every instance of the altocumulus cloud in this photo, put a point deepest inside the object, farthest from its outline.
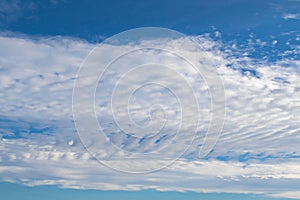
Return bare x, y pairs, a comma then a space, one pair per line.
257, 152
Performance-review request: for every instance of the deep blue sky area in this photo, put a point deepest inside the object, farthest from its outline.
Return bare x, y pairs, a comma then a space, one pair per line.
93, 19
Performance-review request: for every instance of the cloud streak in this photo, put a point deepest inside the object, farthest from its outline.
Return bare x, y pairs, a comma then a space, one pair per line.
291, 16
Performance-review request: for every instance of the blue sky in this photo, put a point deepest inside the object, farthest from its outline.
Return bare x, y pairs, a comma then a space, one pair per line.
50, 192
93, 19
47, 141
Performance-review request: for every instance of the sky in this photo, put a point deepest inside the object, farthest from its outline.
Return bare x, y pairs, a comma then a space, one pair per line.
132, 99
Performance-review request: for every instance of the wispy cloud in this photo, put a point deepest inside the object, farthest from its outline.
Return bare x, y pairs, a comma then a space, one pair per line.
291, 16
13, 10
9, 10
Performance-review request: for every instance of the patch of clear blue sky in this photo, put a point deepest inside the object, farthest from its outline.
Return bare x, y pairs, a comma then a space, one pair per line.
94, 18
11, 191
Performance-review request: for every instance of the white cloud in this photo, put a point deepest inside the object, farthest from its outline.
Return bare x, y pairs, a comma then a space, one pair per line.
291, 16
260, 137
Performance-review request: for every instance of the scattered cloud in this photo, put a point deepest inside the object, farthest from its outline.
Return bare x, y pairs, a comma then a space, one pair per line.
258, 151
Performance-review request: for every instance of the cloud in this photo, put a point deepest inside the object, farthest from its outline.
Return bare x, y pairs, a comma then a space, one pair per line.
291, 16
256, 153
